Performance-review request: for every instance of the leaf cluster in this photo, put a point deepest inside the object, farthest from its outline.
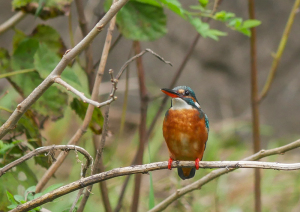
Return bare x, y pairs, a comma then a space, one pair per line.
29, 195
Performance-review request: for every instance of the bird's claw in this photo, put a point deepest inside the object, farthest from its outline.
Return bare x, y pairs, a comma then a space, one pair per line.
170, 163
197, 163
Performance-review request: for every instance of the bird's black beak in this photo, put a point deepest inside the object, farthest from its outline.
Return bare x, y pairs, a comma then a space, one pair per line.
170, 92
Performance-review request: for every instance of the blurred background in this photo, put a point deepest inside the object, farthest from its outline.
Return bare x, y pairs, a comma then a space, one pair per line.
219, 73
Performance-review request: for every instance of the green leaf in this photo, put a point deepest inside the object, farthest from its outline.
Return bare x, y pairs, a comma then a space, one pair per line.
139, 21
203, 3
10, 197
97, 119
12, 206
46, 60
251, 23
174, 6
50, 37
18, 37
10, 182
246, 32
19, 198
4, 60
23, 55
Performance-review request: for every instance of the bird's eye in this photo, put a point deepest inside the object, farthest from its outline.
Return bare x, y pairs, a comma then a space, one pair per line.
186, 93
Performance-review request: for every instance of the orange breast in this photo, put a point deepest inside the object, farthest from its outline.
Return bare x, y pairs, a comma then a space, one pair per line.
185, 134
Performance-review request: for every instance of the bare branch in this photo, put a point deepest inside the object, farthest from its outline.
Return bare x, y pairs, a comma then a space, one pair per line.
49, 150
12, 21
280, 50
227, 165
88, 51
214, 174
67, 58
58, 80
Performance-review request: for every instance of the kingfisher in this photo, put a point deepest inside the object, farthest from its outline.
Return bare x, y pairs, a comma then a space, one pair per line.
185, 129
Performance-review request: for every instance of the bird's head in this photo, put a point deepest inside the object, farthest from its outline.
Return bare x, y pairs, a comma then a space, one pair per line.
183, 97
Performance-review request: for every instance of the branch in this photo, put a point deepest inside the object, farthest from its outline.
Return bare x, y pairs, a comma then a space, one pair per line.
144, 169
254, 106
58, 80
280, 50
88, 51
142, 126
50, 151
214, 174
12, 21
67, 58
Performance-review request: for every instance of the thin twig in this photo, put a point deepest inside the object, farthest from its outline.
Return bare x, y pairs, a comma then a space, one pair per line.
67, 58
104, 189
216, 173
47, 149
58, 80
12, 21
96, 169
280, 50
142, 126
88, 51
9, 74
227, 166
254, 106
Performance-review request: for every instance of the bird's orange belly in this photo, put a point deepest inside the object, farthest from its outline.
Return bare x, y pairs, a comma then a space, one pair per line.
185, 134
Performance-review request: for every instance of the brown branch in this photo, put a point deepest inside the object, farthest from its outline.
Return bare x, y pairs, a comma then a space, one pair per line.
50, 150
58, 80
96, 169
16, 18
142, 125
88, 51
67, 58
228, 166
280, 50
254, 106
104, 189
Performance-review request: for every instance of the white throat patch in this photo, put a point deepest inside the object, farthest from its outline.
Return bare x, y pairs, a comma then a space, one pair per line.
178, 104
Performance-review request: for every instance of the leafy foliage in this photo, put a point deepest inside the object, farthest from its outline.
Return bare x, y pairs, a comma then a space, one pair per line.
236, 23
44, 9
97, 119
141, 20
29, 195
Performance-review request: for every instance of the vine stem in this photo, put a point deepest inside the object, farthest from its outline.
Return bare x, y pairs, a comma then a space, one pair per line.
280, 50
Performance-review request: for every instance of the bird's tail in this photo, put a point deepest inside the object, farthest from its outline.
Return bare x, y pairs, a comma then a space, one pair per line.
186, 173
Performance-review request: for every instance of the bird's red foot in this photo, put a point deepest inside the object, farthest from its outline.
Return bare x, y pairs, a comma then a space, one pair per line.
170, 163
197, 163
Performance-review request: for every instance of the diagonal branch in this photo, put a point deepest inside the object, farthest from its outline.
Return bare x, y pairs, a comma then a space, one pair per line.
67, 58
88, 51
280, 50
227, 166
58, 80
50, 150
12, 21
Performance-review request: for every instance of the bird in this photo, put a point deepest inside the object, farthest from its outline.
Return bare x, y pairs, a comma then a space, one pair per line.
185, 129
